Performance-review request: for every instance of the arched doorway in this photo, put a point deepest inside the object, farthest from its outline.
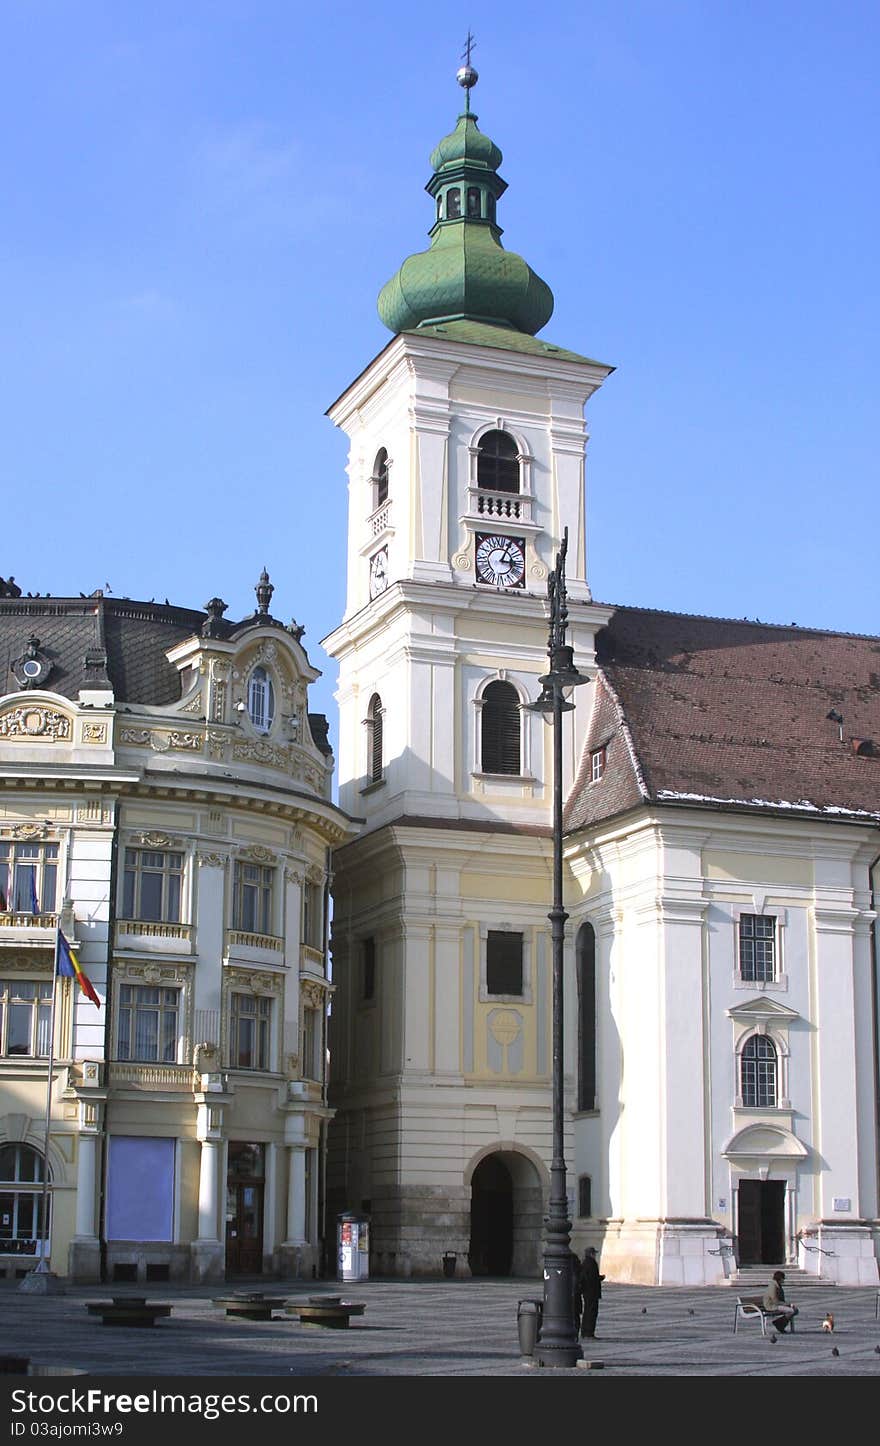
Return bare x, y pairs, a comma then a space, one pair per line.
506, 1215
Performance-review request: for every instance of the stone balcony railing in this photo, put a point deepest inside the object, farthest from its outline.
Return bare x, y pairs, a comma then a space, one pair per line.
380, 520
241, 939
20, 929
162, 937
500, 506
131, 1075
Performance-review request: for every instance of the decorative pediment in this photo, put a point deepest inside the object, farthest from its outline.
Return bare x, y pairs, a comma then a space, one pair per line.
35, 722
762, 1011
765, 1142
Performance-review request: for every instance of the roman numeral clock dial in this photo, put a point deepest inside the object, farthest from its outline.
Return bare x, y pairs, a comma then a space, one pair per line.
501, 560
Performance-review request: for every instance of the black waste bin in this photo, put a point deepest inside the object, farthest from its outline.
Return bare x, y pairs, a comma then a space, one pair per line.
529, 1314
449, 1260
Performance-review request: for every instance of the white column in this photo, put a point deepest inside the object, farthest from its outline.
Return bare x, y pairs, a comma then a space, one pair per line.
296, 1196
208, 1196
85, 1187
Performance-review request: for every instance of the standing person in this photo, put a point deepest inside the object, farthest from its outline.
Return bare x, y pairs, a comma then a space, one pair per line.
591, 1290
774, 1300
576, 1291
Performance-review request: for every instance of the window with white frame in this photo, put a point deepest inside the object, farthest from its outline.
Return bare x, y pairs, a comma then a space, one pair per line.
148, 1027
252, 897
375, 762
261, 700
597, 764
28, 877
757, 947
311, 1042
500, 726
25, 1014
152, 885
504, 962
21, 1199
759, 1073
313, 915
250, 1018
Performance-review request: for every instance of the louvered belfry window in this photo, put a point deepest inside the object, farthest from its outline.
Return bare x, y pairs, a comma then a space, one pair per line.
500, 729
374, 738
498, 463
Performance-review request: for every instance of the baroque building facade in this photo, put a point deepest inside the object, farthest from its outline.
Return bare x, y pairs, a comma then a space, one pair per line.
721, 839
165, 802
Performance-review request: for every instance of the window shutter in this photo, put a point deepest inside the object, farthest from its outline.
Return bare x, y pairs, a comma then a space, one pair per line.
500, 751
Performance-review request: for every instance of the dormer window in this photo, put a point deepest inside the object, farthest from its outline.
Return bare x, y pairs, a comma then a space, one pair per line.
498, 463
380, 478
261, 700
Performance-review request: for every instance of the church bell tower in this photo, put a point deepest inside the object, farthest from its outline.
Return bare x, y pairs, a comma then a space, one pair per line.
466, 465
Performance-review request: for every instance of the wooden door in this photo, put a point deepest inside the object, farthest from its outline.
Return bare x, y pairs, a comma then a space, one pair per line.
244, 1228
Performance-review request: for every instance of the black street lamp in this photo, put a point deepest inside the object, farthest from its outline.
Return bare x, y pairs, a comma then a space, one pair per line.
558, 1345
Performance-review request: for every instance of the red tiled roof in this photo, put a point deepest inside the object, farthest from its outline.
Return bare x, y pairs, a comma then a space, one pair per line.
731, 712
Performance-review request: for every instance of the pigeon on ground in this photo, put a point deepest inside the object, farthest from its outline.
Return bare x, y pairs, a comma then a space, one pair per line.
835, 1351
773, 1340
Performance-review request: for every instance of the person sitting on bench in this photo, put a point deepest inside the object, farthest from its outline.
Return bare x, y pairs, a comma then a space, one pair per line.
774, 1301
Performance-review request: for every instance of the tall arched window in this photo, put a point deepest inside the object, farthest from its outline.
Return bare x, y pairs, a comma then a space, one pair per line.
500, 743
261, 700
586, 986
374, 739
498, 463
759, 1072
21, 1187
380, 478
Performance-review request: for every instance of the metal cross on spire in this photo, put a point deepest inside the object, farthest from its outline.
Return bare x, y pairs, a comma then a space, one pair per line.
466, 75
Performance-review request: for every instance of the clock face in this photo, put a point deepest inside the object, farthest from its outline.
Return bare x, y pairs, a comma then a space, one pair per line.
501, 560
378, 572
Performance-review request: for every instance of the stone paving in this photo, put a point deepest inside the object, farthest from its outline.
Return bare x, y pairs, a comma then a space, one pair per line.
464, 1328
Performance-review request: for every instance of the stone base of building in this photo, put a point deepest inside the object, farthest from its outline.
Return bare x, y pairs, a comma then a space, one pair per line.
84, 1261
665, 1252
296, 1262
207, 1262
846, 1254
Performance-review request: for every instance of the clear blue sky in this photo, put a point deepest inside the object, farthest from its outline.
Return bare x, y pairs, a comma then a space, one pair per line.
201, 201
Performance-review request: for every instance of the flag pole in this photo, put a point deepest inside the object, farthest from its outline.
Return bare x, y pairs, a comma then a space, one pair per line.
43, 1266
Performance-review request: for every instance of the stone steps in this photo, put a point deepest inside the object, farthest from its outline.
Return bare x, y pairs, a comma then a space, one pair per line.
750, 1279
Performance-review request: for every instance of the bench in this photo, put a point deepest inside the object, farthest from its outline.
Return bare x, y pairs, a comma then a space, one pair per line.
128, 1310
250, 1306
751, 1307
326, 1310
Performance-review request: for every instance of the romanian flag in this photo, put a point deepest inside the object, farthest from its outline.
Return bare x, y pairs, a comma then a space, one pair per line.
68, 966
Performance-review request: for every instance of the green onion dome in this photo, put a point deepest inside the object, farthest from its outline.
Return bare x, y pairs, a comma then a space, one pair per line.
466, 274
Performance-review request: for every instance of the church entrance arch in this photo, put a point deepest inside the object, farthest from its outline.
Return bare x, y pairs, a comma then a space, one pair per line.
506, 1215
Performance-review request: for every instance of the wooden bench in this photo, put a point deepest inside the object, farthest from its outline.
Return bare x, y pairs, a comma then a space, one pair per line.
128, 1310
751, 1307
326, 1310
250, 1306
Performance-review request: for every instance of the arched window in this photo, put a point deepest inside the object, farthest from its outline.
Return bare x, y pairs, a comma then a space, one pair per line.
473, 200
374, 739
380, 478
453, 204
261, 700
586, 986
498, 463
500, 751
758, 1072
21, 1191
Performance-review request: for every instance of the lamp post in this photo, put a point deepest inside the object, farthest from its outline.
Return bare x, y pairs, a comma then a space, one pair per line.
558, 1345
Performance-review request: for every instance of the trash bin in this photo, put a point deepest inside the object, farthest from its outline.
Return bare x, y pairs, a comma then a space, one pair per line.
529, 1314
449, 1260
352, 1246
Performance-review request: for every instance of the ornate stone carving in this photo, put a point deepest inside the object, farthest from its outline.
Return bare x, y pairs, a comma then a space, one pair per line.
216, 744
94, 732
258, 854
211, 861
159, 841
255, 981
291, 1066
29, 830
195, 706
312, 994
218, 712
269, 754
159, 740
294, 876
35, 722
315, 874
152, 974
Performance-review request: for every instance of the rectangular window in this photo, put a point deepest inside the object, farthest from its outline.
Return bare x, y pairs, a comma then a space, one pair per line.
757, 947
504, 962
311, 1039
152, 885
597, 764
368, 968
249, 1032
313, 915
147, 1030
585, 1195
252, 902
25, 1011
28, 878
